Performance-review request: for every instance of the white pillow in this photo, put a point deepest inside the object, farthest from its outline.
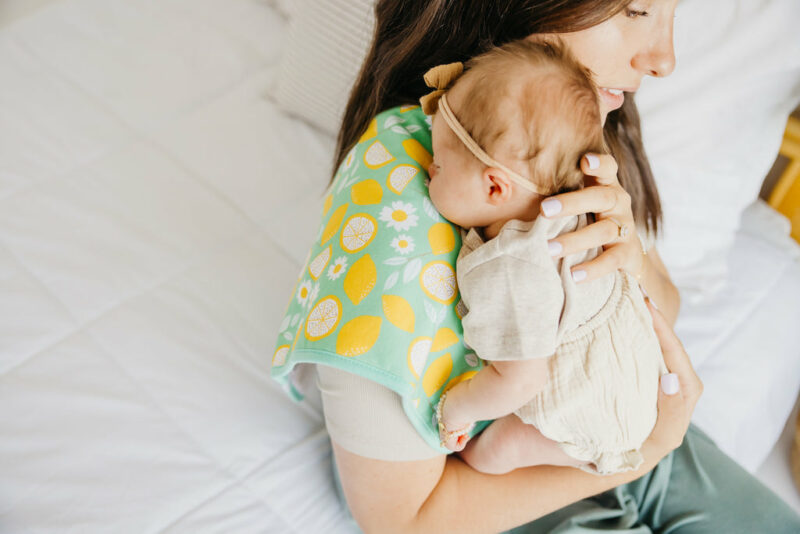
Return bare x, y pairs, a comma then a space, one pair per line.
327, 43
284, 7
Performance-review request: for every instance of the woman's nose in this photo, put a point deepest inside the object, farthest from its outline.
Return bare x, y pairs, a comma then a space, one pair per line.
658, 61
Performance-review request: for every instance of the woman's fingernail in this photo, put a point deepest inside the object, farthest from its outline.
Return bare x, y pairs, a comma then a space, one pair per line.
554, 248
578, 275
670, 384
653, 303
593, 161
551, 206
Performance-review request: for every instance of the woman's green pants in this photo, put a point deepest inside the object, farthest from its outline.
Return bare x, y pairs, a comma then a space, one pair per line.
697, 489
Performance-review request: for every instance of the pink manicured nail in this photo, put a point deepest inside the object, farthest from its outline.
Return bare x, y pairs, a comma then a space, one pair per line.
670, 384
578, 275
554, 248
551, 206
593, 161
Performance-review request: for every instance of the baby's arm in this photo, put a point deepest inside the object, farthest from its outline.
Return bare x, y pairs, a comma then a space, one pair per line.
514, 310
496, 390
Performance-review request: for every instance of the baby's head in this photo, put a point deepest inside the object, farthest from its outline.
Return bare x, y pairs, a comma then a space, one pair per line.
532, 110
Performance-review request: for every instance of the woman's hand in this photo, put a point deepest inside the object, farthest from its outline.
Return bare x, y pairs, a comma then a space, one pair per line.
683, 389
605, 197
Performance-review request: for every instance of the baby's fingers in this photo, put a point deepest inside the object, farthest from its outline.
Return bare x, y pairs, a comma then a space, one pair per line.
455, 443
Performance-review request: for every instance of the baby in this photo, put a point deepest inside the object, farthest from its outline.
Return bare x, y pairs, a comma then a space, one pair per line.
573, 368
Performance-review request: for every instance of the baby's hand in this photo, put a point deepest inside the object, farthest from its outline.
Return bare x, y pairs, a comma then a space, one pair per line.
452, 435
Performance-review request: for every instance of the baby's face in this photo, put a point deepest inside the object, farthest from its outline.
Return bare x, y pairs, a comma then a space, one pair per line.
455, 186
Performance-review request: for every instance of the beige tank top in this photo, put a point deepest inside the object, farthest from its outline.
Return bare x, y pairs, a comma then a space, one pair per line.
367, 418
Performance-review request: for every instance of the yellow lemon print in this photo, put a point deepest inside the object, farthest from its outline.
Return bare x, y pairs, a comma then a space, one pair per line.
460, 378
371, 131
333, 224
403, 109
279, 358
399, 312
441, 238
438, 281
358, 335
377, 156
360, 279
296, 335
400, 176
366, 193
418, 354
350, 158
316, 267
358, 231
437, 374
417, 152
323, 318
444, 338
327, 206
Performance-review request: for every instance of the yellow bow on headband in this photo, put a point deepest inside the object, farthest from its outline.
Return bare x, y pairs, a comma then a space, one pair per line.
439, 78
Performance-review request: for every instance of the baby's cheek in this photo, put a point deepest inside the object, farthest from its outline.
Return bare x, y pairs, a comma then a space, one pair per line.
435, 193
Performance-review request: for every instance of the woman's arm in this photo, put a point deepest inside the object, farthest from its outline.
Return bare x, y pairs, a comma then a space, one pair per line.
657, 283
444, 494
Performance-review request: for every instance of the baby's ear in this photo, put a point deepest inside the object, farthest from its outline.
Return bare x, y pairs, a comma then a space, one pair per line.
496, 186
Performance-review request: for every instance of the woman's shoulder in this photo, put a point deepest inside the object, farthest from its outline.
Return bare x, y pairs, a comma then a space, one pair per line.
378, 294
407, 120
397, 142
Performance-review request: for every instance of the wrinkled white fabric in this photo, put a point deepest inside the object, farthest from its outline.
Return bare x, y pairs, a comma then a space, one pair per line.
600, 400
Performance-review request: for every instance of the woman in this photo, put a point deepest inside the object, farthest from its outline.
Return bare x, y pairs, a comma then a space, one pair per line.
394, 484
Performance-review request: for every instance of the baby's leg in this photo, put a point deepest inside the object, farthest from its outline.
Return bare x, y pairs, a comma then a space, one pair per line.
508, 444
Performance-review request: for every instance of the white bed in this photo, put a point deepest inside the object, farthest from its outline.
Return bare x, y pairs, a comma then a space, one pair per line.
155, 208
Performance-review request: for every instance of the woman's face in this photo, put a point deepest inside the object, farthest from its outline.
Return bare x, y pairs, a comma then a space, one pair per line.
620, 51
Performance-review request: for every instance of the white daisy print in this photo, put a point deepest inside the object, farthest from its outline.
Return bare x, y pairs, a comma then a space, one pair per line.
304, 292
400, 216
338, 267
403, 244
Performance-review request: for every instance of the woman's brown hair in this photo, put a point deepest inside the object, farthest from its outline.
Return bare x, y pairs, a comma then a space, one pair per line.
411, 36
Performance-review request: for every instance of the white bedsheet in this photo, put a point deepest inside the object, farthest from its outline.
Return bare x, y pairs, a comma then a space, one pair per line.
153, 207
154, 211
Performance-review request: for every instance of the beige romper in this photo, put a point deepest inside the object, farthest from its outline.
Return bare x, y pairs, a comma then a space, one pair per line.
600, 401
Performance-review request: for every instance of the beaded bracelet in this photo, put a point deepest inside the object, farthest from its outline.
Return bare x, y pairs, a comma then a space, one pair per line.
448, 434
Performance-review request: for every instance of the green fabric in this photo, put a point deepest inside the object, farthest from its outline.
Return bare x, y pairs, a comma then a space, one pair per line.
377, 296
697, 489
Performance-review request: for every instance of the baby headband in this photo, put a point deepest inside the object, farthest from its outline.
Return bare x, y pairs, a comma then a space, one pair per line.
439, 78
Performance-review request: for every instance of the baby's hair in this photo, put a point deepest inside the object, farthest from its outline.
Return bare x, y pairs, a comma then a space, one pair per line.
530, 103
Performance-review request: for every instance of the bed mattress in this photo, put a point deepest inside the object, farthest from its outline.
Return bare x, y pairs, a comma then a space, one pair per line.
155, 208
